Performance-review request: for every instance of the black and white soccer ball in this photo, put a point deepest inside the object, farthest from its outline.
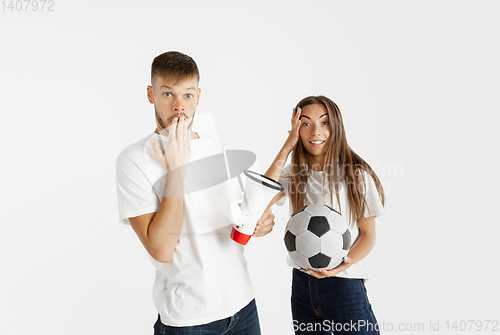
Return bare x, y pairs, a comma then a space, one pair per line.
317, 236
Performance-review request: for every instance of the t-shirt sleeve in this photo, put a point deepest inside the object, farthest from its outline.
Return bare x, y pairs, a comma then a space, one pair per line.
375, 207
135, 193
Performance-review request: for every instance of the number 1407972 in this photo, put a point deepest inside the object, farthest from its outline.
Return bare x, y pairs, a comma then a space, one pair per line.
28, 5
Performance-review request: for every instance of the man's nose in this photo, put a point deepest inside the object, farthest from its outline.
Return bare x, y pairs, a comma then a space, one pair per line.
178, 106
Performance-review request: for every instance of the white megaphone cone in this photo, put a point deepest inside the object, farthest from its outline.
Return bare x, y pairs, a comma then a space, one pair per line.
259, 192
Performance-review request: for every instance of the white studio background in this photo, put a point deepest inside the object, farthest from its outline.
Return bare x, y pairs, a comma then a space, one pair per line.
416, 81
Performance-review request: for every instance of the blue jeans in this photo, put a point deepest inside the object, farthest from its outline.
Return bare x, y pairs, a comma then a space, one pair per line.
245, 322
331, 305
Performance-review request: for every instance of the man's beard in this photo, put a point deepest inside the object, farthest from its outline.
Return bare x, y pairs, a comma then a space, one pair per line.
169, 120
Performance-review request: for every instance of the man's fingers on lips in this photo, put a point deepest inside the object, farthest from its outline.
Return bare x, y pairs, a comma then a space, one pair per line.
172, 128
186, 133
180, 128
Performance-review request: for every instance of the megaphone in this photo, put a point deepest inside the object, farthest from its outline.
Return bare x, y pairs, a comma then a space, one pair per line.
259, 192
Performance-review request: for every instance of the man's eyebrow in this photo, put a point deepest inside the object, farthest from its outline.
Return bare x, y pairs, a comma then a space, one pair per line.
187, 89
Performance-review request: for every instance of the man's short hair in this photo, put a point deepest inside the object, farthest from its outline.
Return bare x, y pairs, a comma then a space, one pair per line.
174, 65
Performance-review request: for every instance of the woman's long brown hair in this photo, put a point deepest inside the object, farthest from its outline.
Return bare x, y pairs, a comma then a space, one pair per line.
341, 164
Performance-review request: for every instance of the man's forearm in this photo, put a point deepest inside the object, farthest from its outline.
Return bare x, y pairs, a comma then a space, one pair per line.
164, 229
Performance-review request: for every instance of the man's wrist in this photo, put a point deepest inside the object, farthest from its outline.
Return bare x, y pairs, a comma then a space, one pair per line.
174, 183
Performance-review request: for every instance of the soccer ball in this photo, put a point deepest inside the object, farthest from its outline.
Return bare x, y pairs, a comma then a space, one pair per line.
317, 236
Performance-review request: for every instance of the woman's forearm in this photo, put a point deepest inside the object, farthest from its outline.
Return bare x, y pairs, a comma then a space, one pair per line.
365, 241
362, 247
276, 168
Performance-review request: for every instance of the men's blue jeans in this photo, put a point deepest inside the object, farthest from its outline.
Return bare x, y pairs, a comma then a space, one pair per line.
245, 322
331, 305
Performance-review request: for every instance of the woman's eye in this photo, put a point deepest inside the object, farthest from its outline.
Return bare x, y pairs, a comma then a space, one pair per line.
305, 124
167, 94
189, 96
326, 123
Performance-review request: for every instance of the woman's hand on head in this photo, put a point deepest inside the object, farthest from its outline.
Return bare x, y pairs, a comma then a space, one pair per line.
293, 134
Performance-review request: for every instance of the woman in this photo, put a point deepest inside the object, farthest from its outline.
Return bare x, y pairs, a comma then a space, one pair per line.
323, 165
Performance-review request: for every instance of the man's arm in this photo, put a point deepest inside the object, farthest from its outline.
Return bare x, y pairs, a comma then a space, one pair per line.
159, 231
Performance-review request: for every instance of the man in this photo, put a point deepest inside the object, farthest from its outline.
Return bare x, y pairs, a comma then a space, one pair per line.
202, 281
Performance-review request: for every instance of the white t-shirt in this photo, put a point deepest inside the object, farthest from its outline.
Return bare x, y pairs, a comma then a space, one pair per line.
317, 194
191, 289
